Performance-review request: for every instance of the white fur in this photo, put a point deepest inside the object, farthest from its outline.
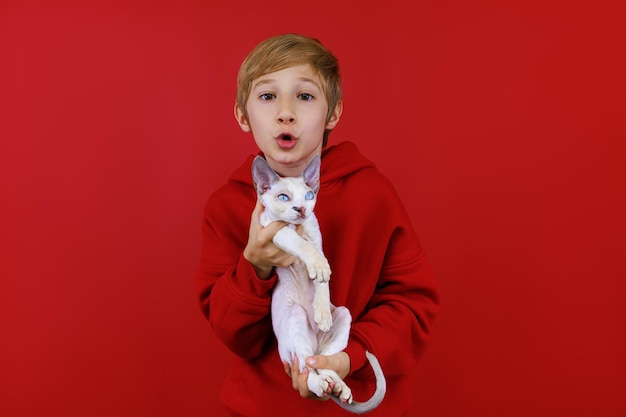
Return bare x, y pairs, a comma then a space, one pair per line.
304, 320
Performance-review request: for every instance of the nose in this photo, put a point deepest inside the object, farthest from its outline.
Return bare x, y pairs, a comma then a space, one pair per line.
300, 210
286, 114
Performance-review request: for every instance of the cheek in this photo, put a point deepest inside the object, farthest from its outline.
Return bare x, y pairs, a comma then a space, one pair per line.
317, 123
256, 114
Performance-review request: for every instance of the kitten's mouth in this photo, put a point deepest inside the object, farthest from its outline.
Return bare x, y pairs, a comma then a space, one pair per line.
286, 141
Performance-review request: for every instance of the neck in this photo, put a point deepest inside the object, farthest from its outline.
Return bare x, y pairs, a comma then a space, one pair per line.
291, 169
288, 170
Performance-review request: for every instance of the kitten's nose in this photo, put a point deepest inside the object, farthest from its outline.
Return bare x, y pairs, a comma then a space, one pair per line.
300, 210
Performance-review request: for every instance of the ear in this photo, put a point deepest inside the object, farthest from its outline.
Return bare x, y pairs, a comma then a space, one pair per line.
311, 174
335, 116
262, 175
240, 116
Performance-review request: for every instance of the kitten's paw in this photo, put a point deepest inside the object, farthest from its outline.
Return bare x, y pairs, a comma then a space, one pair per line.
319, 269
317, 384
324, 274
322, 314
339, 388
343, 392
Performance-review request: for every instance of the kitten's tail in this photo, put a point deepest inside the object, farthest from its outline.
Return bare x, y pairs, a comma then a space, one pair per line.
381, 387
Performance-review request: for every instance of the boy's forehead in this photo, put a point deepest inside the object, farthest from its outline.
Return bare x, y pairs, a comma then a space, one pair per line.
301, 73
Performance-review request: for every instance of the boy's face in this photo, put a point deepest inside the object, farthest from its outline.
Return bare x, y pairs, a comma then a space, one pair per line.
287, 113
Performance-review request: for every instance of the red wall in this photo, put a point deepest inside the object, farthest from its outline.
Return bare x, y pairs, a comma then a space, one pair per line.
501, 124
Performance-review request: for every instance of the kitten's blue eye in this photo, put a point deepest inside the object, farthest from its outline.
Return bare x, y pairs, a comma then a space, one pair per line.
283, 197
309, 195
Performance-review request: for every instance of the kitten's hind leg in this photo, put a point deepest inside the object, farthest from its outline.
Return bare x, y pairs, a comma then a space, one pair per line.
336, 339
321, 306
334, 342
295, 338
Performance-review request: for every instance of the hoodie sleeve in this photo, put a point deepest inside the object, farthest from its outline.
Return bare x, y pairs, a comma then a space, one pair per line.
234, 300
396, 286
396, 324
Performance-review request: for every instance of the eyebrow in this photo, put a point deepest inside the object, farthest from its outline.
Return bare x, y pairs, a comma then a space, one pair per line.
271, 80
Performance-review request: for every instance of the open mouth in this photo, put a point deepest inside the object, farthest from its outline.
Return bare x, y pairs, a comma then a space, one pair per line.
286, 141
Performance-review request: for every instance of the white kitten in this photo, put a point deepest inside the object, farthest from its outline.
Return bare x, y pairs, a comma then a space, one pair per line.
304, 320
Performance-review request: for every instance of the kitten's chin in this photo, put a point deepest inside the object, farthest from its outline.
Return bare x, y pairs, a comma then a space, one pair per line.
297, 220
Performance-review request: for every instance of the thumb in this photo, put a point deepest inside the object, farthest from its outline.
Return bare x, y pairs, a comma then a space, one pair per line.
272, 228
317, 362
258, 208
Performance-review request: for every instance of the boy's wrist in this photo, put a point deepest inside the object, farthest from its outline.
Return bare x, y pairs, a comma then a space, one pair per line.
245, 282
344, 361
263, 272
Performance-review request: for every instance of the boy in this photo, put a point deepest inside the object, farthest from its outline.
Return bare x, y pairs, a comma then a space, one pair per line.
289, 98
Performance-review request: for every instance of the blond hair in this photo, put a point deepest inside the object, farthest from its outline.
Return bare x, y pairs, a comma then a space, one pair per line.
283, 51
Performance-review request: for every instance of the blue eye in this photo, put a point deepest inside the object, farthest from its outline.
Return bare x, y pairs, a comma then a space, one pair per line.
283, 197
309, 195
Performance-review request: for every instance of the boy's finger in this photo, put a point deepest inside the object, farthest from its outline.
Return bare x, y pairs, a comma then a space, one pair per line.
339, 362
256, 213
299, 378
302, 387
274, 227
318, 362
294, 374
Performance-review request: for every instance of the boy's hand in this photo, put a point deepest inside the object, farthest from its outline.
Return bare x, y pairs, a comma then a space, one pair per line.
260, 251
339, 362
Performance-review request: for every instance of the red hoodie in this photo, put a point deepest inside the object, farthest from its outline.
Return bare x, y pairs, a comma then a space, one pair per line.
380, 273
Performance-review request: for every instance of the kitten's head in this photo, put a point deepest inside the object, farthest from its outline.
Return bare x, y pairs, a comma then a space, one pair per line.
290, 199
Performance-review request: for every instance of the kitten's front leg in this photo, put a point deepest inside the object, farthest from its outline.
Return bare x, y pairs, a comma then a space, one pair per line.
316, 263
317, 266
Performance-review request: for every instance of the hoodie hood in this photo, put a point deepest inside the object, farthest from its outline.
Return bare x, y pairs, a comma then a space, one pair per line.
338, 161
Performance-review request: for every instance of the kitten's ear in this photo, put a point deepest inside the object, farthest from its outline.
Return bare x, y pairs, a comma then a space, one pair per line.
262, 175
312, 174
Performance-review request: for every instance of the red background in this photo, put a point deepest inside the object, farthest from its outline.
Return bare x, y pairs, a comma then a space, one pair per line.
501, 124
